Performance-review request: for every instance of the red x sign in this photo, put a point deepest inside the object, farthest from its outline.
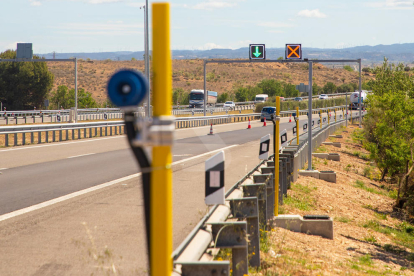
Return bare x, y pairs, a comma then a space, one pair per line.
293, 51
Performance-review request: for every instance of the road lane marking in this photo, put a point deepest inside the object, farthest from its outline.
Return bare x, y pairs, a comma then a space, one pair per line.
2, 169
86, 154
91, 189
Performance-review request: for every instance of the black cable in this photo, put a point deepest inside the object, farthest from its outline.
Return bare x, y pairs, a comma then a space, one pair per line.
144, 163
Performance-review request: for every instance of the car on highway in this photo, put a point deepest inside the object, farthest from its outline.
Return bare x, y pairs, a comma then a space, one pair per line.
323, 97
298, 99
267, 113
229, 105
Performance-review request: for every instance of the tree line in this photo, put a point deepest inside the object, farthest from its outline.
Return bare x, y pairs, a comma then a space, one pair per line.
389, 130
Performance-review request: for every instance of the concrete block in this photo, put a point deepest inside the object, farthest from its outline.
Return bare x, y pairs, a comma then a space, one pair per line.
335, 144
328, 156
336, 136
318, 227
290, 222
321, 155
314, 173
311, 225
334, 157
329, 176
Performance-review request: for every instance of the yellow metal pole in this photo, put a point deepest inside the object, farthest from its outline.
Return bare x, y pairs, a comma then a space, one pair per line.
276, 210
161, 177
297, 125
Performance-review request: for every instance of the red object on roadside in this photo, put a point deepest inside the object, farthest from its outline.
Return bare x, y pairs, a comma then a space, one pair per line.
264, 122
211, 130
249, 126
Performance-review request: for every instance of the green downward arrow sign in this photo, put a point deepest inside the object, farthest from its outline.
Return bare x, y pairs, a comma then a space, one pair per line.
257, 53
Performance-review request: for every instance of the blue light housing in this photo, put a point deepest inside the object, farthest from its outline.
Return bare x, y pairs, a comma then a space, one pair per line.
127, 88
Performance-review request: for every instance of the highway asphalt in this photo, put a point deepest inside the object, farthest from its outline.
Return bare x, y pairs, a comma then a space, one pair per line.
50, 172
63, 238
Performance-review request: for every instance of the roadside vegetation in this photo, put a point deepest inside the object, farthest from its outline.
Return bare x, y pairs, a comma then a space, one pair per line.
370, 236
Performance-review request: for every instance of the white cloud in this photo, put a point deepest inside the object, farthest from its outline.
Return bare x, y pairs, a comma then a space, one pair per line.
209, 46
35, 3
312, 13
391, 4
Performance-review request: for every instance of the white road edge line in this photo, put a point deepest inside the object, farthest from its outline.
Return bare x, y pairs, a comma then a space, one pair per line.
86, 154
2, 169
91, 189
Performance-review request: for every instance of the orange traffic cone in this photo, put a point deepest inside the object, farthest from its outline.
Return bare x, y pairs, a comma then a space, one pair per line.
211, 130
290, 118
249, 126
264, 122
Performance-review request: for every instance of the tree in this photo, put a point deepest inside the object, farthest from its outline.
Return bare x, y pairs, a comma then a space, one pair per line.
179, 96
279, 58
271, 87
389, 127
329, 88
348, 68
63, 97
23, 85
290, 90
366, 69
224, 97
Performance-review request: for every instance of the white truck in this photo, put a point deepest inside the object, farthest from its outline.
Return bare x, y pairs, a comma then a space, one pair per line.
354, 98
261, 98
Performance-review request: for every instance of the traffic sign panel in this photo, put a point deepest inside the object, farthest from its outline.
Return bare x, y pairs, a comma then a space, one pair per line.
257, 51
264, 147
293, 51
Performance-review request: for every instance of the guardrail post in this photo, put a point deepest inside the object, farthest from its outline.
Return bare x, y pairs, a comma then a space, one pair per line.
100, 129
233, 235
25, 119
268, 180
39, 137
47, 136
79, 133
32, 138
73, 134
42, 118
7, 120
6, 140
247, 208
23, 138
259, 191
110, 131
90, 132
15, 139
54, 136
60, 135
106, 131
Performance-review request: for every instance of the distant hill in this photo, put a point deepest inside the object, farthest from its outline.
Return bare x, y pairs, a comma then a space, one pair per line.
370, 54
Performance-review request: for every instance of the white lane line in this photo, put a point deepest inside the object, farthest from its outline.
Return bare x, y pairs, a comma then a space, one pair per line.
177, 155
91, 189
86, 154
2, 169
63, 143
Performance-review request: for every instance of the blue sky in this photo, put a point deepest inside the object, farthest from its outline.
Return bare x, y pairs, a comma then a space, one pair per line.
117, 25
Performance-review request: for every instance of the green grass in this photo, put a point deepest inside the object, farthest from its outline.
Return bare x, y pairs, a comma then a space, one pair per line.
343, 219
321, 149
370, 239
402, 234
382, 191
302, 199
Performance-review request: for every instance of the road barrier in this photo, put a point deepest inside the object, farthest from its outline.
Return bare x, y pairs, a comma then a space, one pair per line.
63, 132
234, 224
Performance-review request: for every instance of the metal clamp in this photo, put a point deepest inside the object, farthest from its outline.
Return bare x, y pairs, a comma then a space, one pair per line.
157, 131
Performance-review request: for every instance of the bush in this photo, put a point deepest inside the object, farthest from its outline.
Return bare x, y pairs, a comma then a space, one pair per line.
348, 68
366, 69
407, 69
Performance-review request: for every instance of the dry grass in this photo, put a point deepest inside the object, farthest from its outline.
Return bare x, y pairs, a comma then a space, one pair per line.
188, 74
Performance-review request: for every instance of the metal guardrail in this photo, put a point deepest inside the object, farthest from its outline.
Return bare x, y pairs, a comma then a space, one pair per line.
85, 129
188, 254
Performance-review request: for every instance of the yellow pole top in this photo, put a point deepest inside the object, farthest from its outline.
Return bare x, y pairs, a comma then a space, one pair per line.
161, 62
277, 106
